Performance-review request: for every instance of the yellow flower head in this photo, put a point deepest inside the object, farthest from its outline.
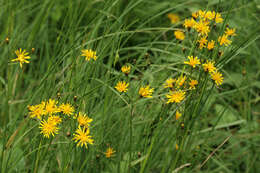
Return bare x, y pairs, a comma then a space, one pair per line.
179, 35
189, 23
180, 81
193, 61
146, 91
173, 17
218, 18
51, 107
82, 137
210, 15
224, 40
126, 69
169, 83
195, 14
84, 120
211, 45
66, 109
177, 115
201, 13
176, 146
121, 86
55, 119
48, 128
203, 42
202, 27
89, 54
193, 83
109, 152
21, 57
37, 110
217, 77
176, 96
209, 66
230, 31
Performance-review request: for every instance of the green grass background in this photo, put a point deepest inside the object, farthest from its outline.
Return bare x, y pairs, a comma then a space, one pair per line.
137, 32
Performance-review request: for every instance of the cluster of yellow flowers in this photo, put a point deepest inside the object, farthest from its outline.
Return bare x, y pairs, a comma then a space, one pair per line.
50, 116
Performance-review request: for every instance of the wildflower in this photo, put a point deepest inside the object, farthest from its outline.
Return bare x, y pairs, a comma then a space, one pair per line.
180, 81
203, 41
109, 152
126, 69
173, 17
193, 83
84, 120
169, 83
55, 119
179, 35
189, 23
66, 109
51, 107
177, 115
202, 27
201, 13
195, 14
146, 91
48, 128
82, 137
176, 146
88, 53
121, 86
218, 18
209, 66
224, 40
217, 77
211, 45
21, 57
193, 61
210, 15
230, 32
37, 110
176, 96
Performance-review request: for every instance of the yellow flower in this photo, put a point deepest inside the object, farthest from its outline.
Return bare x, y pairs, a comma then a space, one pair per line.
51, 107
21, 57
176, 96
211, 44
82, 137
189, 23
146, 91
109, 152
230, 32
173, 17
84, 120
203, 41
217, 77
218, 18
201, 13
193, 61
179, 35
209, 66
176, 146
193, 83
37, 110
210, 15
180, 81
178, 115
54, 119
121, 86
66, 109
126, 69
48, 128
195, 14
88, 53
224, 40
169, 83
202, 27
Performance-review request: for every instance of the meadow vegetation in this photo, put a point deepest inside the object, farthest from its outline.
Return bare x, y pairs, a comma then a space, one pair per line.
130, 86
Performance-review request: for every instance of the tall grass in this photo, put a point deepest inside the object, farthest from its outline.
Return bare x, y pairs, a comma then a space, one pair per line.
218, 130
